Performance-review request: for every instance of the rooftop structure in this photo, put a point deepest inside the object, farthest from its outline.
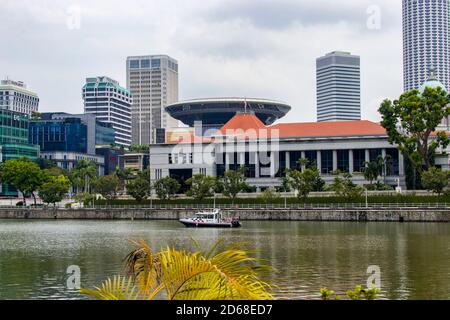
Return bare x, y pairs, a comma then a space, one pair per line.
215, 112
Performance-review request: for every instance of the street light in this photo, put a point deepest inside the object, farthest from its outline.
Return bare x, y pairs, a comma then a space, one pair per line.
367, 202
150, 178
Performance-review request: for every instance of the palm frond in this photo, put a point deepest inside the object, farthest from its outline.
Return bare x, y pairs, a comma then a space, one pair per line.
118, 288
218, 274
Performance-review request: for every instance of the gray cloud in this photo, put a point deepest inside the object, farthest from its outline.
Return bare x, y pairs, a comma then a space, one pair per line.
249, 48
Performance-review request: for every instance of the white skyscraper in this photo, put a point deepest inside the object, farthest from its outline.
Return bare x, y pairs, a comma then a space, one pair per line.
110, 103
338, 87
15, 96
426, 43
153, 83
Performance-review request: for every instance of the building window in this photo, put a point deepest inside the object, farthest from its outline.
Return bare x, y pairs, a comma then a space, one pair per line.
145, 63
134, 64
311, 156
327, 161
156, 63
359, 158
343, 160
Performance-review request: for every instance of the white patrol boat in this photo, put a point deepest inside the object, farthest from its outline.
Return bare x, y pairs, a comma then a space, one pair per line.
210, 220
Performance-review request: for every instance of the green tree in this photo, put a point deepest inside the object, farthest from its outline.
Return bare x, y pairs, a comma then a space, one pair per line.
435, 180
166, 188
201, 186
124, 175
305, 182
35, 115
54, 189
45, 163
107, 186
83, 174
269, 195
55, 172
84, 198
233, 182
139, 148
372, 171
412, 120
344, 187
139, 188
24, 174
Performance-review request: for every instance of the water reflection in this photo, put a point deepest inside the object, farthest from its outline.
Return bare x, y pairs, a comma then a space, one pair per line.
414, 258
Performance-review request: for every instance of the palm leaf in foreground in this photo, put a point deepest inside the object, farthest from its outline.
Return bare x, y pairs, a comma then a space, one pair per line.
118, 288
229, 274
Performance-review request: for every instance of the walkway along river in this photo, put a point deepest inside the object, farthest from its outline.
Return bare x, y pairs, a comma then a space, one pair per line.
313, 214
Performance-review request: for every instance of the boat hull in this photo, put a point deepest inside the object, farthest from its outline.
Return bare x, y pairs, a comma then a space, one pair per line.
194, 224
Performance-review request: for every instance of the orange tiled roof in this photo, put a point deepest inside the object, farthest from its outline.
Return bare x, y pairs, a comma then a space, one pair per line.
243, 126
243, 122
329, 129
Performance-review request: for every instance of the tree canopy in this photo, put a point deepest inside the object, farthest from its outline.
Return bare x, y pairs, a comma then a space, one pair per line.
166, 188
24, 174
139, 188
304, 182
201, 186
435, 179
107, 186
83, 175
233, 182
54, 189
411, 123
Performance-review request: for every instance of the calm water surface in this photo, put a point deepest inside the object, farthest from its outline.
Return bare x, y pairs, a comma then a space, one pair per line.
414, 258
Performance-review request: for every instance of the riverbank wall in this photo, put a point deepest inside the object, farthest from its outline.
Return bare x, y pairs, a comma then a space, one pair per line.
357, 214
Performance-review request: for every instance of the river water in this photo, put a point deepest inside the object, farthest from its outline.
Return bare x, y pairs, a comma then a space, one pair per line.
414, 258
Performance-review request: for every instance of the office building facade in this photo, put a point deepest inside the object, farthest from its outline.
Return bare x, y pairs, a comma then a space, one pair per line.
426, 41
267, 151
14, 142
338, 87
15, 96
153, 83
66, 139
110, 103
70, 132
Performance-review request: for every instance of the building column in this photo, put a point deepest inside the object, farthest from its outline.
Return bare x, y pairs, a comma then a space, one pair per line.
242, 159
367, 155
272, 164
351, 168
335, 164
383, 153
319, 161
401, 164
256, 165
288, 160
227, 161
303, 156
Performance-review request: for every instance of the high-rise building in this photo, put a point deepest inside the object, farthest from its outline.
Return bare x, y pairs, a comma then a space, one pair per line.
14, 142
70, 132
15, 96
338, 87
426, 42
110, 103
65, 139
153, 83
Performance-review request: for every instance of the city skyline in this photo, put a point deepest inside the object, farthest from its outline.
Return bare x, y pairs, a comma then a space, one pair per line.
253, 57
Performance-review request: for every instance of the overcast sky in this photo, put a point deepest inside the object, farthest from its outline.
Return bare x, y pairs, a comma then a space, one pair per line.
254, 48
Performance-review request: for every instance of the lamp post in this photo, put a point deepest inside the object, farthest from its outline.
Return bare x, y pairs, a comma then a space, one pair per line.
367, 202
150, 178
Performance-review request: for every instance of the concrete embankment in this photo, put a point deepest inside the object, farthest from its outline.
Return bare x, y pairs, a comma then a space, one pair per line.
357, 214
